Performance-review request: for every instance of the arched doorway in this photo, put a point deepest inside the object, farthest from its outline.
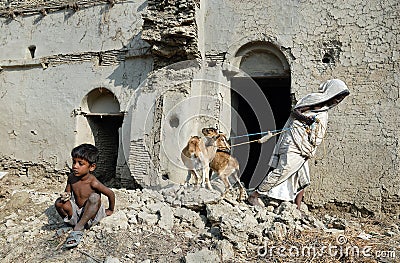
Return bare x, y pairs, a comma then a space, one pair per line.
270, 74
102, 111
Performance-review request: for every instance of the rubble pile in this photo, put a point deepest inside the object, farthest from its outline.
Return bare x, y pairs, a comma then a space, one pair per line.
171, 224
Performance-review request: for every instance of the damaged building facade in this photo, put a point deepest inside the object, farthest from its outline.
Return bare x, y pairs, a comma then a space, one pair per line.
138, 78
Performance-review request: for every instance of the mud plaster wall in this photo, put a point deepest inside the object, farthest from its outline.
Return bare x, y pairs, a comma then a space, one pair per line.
152, 134
361, 162
360, 165
189, 105
96, 45
357, 42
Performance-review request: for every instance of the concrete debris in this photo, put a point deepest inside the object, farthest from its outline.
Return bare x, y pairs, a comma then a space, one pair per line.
2, 174
364, 236
110, 259
202, 256
236, 225
151, 224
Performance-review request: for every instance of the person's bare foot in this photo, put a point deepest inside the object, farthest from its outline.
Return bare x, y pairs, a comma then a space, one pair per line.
255, 201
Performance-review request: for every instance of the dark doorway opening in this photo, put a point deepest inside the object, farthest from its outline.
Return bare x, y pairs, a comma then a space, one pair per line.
277, 91
278, 94
105, 129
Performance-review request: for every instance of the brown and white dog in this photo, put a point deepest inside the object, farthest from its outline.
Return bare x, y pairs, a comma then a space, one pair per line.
196, 158
197, 155
223, 163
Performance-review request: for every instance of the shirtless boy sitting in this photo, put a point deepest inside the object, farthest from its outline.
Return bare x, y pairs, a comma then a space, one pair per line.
80, 204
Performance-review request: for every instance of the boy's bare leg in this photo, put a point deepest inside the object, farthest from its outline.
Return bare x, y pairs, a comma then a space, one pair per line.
299, 198
63, 208
91, 207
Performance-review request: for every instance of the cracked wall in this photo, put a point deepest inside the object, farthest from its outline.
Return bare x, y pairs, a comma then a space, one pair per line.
355, 41
82, 45
78, 48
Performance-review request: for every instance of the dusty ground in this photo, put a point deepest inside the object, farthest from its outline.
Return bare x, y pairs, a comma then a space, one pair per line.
28, 222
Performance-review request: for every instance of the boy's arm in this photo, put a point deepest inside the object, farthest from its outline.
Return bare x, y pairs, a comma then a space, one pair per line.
67, 192
68, 187
101, 188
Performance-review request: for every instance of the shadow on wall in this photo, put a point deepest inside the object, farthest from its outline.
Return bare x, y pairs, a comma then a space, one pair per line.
136, 63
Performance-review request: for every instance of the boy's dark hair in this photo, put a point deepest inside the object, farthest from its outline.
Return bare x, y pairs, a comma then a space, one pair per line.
86, 151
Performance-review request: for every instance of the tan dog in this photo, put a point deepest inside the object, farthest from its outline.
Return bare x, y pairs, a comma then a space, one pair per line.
222, 162
196, 159
209, 132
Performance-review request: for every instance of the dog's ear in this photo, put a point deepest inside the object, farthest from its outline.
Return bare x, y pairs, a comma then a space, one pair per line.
219, 135
209, 131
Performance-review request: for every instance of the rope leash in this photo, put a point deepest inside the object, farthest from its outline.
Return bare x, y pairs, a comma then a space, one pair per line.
277, 132
233, 145
260, 133
274, 133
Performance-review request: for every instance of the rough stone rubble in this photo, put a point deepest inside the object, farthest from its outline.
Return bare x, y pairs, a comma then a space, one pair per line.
169, 224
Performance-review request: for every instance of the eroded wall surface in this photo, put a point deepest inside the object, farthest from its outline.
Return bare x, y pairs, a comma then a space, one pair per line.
359, 43
171, 29
78, 47
83, 45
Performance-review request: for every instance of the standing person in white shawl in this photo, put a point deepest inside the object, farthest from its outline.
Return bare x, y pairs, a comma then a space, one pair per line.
306, 128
